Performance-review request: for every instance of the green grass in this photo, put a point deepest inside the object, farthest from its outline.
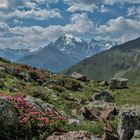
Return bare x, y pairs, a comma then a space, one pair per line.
129, 96
94, 128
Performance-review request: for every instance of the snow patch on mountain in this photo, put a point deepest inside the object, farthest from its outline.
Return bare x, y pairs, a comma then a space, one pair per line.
79, 49
70, 39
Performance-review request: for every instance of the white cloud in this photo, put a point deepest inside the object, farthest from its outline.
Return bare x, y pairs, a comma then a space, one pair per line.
92, 5
77, 6
11, 4
121, 1
80, 23
86, 6
40, 14
17, 22
103, 9
31, 5
119, 29
3, 25
37, 36
34, 11
131, 11
134, 11
80, 5
45, 1
16, 3
84, 1
3, 4
4, 28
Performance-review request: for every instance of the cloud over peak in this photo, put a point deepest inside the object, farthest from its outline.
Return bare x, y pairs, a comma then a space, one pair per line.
35, 23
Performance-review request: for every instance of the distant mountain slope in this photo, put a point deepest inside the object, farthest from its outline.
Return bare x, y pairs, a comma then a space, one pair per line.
13, 54
48, 58
119, 61
66, 51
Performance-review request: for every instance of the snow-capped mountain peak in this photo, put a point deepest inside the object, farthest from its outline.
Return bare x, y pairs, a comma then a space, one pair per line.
71, 40
79, 49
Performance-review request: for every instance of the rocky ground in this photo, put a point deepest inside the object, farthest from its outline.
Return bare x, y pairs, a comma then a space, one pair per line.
40, 105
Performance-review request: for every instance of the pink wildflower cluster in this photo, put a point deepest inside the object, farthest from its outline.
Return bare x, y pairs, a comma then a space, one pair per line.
33, 118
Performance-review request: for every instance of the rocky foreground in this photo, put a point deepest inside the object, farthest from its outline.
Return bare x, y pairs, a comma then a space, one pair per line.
39, 105
36, 117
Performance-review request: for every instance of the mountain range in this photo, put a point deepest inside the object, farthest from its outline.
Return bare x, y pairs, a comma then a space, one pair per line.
13, 54
119, 61
66, 51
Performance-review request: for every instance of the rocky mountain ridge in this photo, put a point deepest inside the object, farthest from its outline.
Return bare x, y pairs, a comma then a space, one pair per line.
66, 51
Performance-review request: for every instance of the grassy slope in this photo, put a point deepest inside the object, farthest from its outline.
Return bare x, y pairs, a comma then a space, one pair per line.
45, 92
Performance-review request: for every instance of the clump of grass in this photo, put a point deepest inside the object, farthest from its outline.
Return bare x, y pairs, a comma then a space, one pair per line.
96, 129
39, 92
129, 96
115, 122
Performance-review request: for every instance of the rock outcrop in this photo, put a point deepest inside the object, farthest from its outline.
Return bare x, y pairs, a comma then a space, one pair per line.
96, 111
103, 95
38, 103
23, 75
78, 76
90, 114
74, 122
109, 113
109, 132
75, 135
8, 117
103, 83
129, 122
2, 68
118, 83
136, 135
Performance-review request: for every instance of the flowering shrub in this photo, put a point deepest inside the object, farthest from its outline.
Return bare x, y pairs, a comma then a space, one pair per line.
34, 120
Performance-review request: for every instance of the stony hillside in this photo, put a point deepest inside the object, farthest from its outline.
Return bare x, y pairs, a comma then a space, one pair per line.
37, 104
119, 61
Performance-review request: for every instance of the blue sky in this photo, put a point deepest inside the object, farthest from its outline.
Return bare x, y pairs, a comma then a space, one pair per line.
34, 23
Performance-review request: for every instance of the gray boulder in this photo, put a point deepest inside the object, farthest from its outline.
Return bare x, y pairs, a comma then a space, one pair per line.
23, 75
8, 115
118, 83
2, 68
109, 113
38, 103
13, 89
74, 135
136, 135
90, 114
78, 76
74, 122
103, 83
129, 121
98, 110
103, 95
110, 133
